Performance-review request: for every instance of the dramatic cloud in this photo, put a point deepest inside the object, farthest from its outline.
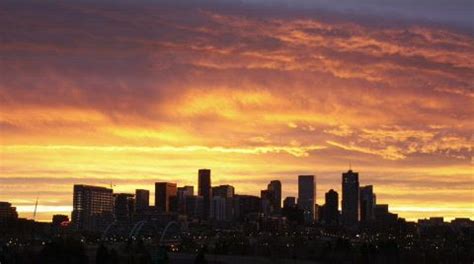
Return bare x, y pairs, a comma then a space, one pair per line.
133, 93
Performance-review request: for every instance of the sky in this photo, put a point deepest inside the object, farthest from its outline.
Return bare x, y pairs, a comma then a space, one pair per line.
131, 93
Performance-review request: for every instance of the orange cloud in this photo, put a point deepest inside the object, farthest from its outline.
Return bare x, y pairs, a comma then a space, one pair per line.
253, 95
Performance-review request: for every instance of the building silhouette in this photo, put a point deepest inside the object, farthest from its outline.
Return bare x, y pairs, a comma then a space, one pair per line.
331, 212
219, 208
275, 188
165, 196
194, 206
266, 197
92, 207
367, 204
289, 202
306, 197
222, 202
350, 198
245, 205
182, 194
225, 191
142, 199
124, 207
204, 190
7, 211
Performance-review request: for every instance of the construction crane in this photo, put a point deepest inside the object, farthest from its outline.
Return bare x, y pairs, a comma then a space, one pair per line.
111, 184
36, 208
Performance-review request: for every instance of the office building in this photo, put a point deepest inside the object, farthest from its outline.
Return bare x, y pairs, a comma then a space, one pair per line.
275, 188
330, 211
289, 202
219, 208
142, 200
367, 204
124, 207
350, 198
245, 205
266, 197
383, 216
306, 197
7, 211
194, 206
92, 207
182, 194
205, 190
226, 192
165, 196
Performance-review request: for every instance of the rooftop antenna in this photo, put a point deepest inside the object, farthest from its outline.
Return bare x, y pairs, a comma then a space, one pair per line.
350, 165
109, 184
36, 208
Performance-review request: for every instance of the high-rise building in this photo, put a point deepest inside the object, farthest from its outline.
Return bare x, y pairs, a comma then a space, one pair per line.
275, 188
204, 190
367, 204
124, 206
383, 216
92, 207
350, 198
306, 196
7, 211
194, 206
219, 208
226, 211
266, 197
331, 212
244, 205
225, 191
183, 193
289, 202
142, 200
165, 196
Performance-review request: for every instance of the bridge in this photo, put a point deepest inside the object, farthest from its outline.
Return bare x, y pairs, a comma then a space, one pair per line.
170, 235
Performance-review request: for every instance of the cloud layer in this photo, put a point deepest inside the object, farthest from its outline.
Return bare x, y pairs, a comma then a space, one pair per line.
135, 93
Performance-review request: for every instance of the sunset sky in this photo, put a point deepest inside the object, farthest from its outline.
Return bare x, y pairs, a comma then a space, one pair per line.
134, 92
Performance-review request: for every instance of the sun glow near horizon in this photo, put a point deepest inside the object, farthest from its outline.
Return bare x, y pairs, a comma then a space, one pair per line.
255, 96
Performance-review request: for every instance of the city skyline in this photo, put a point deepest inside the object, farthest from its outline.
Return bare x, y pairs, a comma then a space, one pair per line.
301, 198
132, 93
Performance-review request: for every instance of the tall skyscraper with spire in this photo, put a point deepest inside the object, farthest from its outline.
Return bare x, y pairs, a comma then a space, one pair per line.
350, 198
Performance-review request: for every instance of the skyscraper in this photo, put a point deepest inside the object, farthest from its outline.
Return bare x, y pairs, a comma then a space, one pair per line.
350, 198
306, 196
275, 188
219, 208
165, 196
183, 193
124, 206
222, 194
266, 197
225, 191
331, 212
245, 205
204, 190
92, 207
142, 199
367, 203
